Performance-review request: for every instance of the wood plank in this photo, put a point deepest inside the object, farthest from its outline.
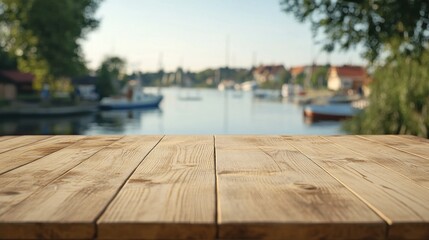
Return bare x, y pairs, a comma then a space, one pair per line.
69, 205
397, 199
171, 195
411, 166
4, 138
23, 155
414, 138
19, 142
20, 183
269, 190
419, 148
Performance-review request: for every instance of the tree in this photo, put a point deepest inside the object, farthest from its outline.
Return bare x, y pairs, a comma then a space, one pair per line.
396, 30
285, 77
319, 76
44, 35
7, 61
110, 74
400, 100
395, 27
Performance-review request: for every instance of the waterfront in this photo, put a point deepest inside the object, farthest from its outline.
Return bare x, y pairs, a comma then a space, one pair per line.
216, 112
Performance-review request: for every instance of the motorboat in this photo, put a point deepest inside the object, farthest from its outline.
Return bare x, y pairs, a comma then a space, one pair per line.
330, 111
135, 98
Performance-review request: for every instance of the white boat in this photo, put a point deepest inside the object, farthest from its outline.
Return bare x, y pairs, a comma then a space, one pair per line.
225, 85
249, 86
330, 111
289, 90
135, 98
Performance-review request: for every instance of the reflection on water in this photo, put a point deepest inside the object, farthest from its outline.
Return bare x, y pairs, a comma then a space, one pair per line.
214, 113
123, 121
45, 125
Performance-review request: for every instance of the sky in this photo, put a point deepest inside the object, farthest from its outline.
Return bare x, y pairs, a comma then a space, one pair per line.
195, 35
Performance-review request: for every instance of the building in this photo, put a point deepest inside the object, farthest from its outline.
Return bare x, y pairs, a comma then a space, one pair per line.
309, 76
268, 73
296, 71
347, 77
86, 86
14, 83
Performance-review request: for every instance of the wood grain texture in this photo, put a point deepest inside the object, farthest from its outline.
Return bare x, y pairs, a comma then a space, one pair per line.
269, 190
20, 141
171, 195
4, 138
397, 199
77, 197
23, 155
409, 165
416, 146
20, 183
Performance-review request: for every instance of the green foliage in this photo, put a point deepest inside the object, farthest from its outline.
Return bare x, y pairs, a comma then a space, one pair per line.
4, 102
396, 27
285, 77
271, 85
300, 79
110, 74
44, 35
201, 77
29, 98
150, 79
319, 77
399, 102
7, 61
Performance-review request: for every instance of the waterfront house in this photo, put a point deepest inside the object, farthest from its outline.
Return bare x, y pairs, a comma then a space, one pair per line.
86, 86
14, 83
268, 73
347, 77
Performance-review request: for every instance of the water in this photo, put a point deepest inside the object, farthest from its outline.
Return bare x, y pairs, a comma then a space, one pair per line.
217, 112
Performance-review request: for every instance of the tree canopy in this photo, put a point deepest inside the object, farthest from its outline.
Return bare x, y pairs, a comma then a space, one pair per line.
110, 72
44, 35
395, 27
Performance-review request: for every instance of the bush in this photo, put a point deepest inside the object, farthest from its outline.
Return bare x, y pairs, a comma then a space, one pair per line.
4, 102
399, 102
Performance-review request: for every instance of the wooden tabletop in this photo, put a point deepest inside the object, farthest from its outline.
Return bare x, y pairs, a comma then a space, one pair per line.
214, 187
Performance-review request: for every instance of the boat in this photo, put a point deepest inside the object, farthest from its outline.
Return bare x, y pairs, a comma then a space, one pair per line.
267, 94
344, 98
290, 90
330, 112
226, 85
135, 98
249, 86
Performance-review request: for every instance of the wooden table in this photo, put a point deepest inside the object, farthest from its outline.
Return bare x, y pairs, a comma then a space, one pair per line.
208, 187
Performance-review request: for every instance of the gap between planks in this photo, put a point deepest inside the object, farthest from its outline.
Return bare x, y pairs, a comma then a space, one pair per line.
97, 218
399, 200
45, 221
408, 165
401, 143
170, 195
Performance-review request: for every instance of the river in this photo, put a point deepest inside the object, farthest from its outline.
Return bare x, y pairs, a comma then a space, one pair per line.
215, 112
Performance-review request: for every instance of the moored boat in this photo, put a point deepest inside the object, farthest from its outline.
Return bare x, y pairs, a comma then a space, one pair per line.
146, 101
330, 112
135, 98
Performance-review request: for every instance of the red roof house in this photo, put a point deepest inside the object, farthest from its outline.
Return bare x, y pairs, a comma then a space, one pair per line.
13, 83
268, 73
347, 77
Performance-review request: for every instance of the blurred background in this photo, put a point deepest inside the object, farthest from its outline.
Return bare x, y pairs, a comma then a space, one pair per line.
214, 67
